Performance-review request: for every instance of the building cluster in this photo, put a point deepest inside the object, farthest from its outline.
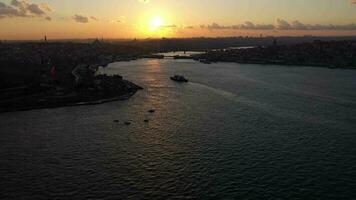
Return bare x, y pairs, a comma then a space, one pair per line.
57, 60
41, 75
334, 54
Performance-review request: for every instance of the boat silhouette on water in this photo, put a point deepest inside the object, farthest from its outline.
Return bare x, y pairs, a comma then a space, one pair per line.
179, 78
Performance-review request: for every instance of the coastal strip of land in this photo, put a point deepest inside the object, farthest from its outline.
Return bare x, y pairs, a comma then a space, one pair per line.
331, 54
50, 75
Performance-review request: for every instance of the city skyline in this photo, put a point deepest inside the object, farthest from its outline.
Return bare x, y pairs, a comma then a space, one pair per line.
32, 19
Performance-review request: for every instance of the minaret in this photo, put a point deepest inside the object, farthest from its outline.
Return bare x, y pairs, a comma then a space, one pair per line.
45, 38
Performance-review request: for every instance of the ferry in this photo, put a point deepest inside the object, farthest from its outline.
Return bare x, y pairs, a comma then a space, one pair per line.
179, 78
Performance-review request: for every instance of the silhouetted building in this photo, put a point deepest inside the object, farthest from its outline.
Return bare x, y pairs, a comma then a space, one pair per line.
275, 42
97, 42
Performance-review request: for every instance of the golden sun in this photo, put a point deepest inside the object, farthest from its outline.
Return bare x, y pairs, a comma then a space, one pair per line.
156, 23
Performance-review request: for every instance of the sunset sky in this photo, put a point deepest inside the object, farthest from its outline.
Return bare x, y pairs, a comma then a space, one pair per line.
32, 19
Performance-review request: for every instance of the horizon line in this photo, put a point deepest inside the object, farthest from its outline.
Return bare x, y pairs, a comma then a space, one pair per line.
177, 38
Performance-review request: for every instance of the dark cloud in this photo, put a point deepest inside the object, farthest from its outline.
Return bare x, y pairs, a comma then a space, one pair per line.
7, 11
22, 8
169, 26
94, 18
281, 24
84, 19
246, 26
251, 26
296, 25
80, 19
216, 26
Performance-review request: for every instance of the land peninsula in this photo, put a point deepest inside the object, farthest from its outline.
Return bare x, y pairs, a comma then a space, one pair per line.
46, 75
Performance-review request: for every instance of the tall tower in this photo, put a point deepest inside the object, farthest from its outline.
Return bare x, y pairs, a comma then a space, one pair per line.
45, 38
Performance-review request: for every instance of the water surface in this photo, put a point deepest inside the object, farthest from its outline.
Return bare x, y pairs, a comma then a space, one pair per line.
233, 132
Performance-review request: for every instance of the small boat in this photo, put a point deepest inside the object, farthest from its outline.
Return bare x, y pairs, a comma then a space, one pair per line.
205, 61
179, 78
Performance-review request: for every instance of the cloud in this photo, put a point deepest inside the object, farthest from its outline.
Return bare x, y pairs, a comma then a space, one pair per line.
8, 11
80, 18
296, 25
281, 24
121, 19
84, 19
216, 26
246, 26
251, 26
94, 18
189, 27
22, 8
169, 26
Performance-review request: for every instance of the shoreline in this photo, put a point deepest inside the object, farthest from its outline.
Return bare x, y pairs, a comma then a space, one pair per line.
283, 64
110, 88
85, 103
207, 61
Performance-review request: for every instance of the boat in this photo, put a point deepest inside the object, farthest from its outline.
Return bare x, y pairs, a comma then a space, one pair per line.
205, 61
179, 78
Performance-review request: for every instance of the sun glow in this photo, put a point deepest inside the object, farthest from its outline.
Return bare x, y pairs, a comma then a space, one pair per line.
156, 23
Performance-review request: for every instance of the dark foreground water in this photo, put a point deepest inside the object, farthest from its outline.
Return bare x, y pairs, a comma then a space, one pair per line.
234, 132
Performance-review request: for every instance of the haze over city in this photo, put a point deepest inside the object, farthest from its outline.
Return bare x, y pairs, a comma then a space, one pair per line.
64, 19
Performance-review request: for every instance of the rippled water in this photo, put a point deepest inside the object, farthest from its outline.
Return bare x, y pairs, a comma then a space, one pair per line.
234, 132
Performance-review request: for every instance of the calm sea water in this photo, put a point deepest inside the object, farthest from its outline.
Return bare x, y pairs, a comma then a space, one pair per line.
233, 132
